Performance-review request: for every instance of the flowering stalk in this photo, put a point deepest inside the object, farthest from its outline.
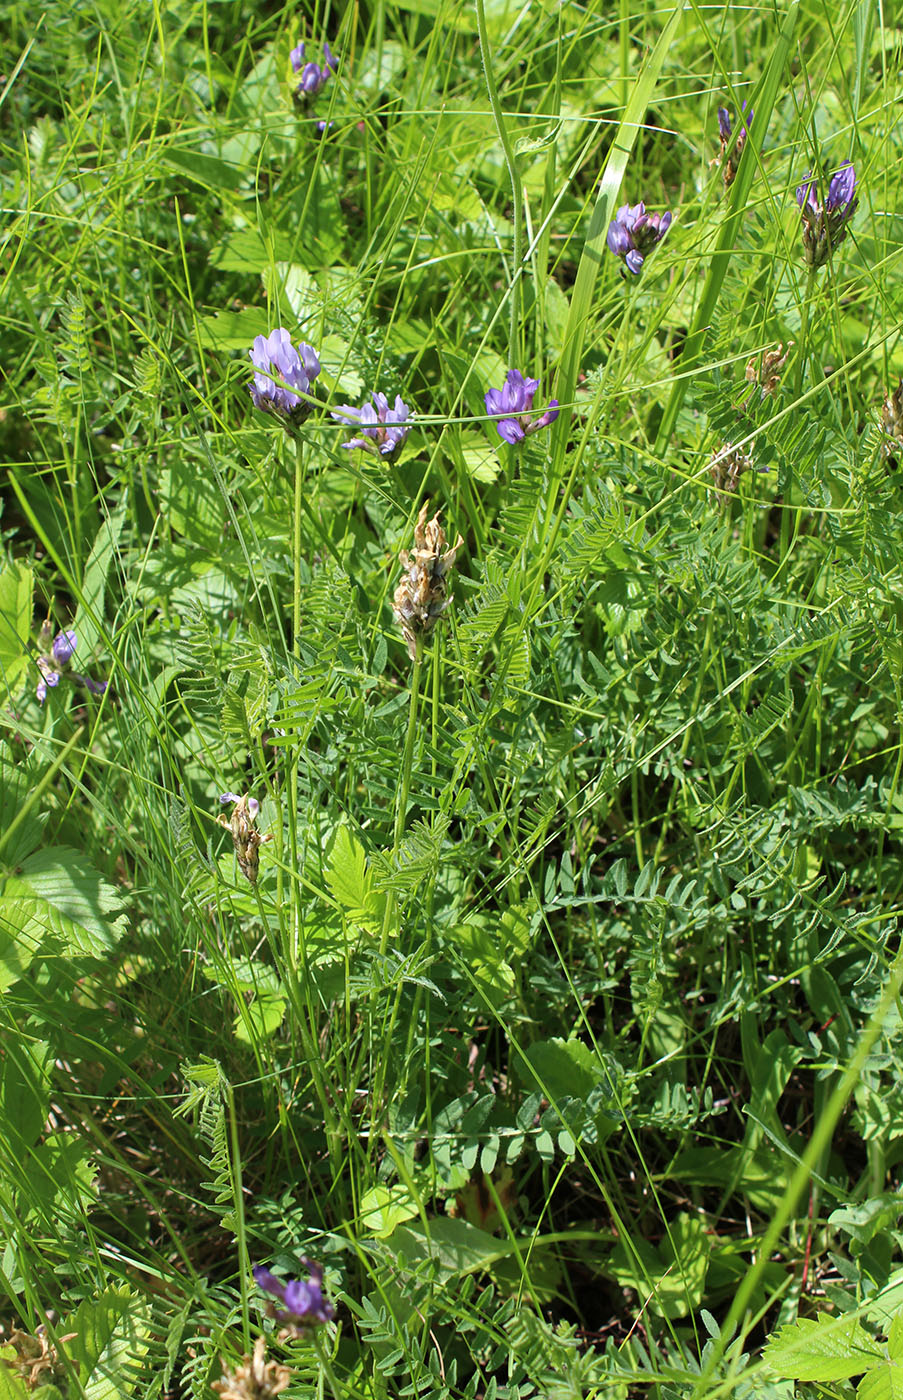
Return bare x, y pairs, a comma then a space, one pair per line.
313, 75
729, 163
825, 225
283, 378
633, 233
382, 429
54, 662
512, 404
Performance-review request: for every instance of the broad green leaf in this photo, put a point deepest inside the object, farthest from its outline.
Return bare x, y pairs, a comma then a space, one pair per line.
59, 893
20, 830
671, 1279
884, 1383
111, 1336
16, 594
24, 1092
563, 1068
262, 1017
822, 1349
453, 1246
383, 1208
22, 931
209, 171
350, 881
11, 1388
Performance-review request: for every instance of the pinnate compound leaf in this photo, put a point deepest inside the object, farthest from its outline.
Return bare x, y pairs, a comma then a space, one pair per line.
822, 1349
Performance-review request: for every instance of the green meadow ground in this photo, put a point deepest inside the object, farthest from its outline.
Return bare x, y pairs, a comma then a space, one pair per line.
561, 1026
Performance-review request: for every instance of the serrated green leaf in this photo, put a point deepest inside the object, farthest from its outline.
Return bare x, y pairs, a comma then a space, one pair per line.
885, 1382
11, 1388
350, 881
24, 1092
821, 1349
59, 894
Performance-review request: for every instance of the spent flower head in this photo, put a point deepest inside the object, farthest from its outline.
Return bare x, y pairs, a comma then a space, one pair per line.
892, 422
422, 595
284, 375
303, 1302
255, 1379
512, 405
825, 224
764, 372
633, 234
382, 429
313, 75
726, 466
730, 162
246, 839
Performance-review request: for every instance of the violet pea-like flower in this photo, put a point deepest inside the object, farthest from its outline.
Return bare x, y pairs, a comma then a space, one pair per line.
512, 405
313, 75
52, 664
383, 429
730, 162
283, 377
303, 1302
825, 225
633, 233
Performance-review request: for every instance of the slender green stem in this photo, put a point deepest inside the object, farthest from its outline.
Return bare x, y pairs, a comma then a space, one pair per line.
517, 193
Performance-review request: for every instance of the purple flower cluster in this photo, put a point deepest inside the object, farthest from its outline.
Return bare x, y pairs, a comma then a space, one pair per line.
284, 375
55, 659
512, 405
282, 386
304, 1304
313, 75
825, 224
725, 131
633, 234
383, 429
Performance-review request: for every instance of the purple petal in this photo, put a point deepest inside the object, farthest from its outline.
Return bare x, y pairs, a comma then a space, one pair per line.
311, 78
665, 223
64, 644
493, 401
232, 797
268, 1282
345, 413
843, 183
297, 58
311, 363
724, 123
511, 430
634, 260
41, 691
618, 239
332, 62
